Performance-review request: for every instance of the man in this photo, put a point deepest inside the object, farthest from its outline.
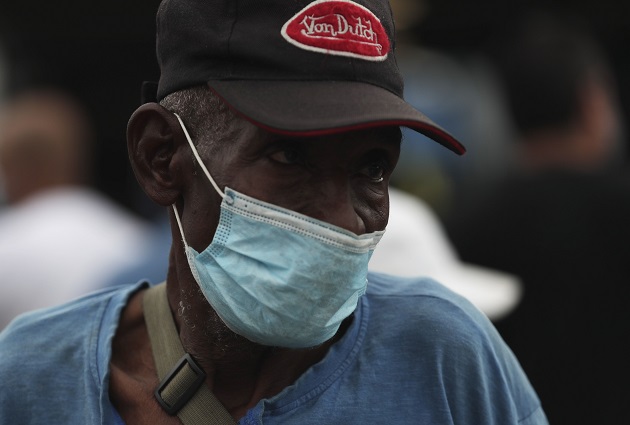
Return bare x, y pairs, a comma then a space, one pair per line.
559, 221
272, 146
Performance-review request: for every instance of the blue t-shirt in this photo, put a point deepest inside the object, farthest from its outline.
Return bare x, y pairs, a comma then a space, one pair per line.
415, 353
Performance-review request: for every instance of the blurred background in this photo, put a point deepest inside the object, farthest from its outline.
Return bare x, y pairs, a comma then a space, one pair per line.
539, 93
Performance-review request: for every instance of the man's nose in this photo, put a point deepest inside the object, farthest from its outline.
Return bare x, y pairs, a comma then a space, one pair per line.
337, 207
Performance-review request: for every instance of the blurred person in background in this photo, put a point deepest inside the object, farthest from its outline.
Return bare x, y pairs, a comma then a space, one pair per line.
560, 223
58, 238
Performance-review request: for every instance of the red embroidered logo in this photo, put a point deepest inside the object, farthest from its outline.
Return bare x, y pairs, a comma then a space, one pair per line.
338, 27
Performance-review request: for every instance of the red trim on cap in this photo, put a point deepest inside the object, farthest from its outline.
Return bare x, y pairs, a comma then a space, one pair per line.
433, 133
430, 131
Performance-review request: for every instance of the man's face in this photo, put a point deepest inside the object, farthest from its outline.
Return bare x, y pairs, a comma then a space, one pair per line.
340, 179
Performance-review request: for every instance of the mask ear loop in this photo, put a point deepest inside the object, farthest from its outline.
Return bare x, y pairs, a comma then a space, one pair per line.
203, 167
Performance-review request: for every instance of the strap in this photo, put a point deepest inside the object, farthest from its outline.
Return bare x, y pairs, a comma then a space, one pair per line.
181, 391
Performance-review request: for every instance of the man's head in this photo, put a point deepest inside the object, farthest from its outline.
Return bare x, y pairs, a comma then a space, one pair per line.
340, 180
45, 140
316, 175
560, 92
294, 71
295, 104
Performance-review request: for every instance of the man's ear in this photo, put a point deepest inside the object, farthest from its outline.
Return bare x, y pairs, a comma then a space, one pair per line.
153, 136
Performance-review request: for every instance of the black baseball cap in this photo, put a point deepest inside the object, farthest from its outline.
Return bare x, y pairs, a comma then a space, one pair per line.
294, 67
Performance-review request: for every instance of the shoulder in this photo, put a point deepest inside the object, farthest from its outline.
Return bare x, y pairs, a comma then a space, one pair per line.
437, 339
69, 320
423, 297
58, 357
427, 312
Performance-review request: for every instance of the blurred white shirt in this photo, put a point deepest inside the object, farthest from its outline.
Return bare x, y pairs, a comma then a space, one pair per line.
60, 244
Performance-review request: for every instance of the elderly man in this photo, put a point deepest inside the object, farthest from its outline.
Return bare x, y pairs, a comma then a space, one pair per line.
271, 146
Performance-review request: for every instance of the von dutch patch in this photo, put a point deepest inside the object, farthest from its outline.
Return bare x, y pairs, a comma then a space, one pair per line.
338, 27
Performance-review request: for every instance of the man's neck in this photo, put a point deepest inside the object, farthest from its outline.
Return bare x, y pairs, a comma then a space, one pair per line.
243, 373
239, 372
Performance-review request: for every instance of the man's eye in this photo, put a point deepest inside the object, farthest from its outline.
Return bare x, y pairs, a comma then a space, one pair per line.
375, 171
287, 156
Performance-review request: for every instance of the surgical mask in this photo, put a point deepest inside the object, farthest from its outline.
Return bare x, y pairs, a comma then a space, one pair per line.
278, 277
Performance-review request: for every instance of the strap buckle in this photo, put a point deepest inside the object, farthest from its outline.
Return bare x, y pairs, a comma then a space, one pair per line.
180, 385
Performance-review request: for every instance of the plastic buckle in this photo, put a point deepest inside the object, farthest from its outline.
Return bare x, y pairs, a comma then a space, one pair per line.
188, 393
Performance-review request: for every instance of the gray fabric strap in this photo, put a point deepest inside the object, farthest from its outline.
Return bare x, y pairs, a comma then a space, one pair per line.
182, 390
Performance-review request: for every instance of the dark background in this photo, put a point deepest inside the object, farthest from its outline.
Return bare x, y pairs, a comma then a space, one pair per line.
103, 51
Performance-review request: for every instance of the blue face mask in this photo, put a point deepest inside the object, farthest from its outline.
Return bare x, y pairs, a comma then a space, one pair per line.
278, 277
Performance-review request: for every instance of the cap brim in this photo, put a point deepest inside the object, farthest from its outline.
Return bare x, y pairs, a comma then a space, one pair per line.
318, 108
